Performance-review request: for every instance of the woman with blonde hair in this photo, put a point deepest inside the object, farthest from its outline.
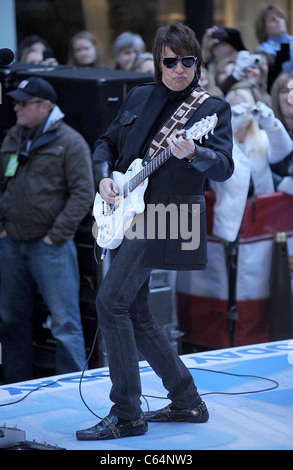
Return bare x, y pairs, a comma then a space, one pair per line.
224, 69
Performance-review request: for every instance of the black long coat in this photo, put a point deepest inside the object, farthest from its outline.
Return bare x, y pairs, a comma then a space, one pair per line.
177, 183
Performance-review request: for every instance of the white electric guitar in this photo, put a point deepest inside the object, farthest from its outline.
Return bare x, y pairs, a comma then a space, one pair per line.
112, 220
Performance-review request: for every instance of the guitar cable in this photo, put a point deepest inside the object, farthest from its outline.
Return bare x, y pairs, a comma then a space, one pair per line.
274, 383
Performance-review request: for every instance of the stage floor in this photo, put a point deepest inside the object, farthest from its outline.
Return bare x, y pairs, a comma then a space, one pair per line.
239, 418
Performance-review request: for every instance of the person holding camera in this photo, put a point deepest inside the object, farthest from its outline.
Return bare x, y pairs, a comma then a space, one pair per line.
34, 49
84, 50
274, 41
46, 181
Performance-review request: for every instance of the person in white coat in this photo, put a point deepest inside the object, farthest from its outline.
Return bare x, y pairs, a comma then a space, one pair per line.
259, 139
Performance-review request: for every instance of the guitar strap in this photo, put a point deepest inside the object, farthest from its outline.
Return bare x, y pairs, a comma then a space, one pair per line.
177, 120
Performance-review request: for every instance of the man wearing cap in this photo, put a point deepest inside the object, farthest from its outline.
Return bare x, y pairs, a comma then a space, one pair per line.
47, 189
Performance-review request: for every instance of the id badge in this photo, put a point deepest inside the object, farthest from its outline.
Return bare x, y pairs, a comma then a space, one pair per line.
12, 166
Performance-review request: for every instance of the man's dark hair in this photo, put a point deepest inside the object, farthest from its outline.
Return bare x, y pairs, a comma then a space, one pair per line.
181, 39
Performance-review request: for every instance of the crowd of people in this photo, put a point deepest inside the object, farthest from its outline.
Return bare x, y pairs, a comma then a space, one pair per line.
48, 186
129, 52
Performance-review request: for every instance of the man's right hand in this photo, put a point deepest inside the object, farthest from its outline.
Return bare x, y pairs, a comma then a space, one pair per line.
3, 233
108, 190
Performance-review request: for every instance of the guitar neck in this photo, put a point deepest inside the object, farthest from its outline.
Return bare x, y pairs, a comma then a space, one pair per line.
149, 169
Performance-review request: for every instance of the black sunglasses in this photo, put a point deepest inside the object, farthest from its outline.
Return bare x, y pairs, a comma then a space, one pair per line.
171, 62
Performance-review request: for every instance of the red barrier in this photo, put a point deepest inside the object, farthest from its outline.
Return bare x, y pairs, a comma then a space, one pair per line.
203, 296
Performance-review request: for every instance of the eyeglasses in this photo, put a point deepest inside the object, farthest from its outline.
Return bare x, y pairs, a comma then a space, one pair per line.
187, 61
23, 104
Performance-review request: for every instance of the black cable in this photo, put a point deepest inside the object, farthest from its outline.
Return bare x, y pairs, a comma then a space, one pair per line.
102, 254
82, 375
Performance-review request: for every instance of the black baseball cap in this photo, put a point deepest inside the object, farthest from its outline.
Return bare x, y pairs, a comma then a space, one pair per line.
31, 87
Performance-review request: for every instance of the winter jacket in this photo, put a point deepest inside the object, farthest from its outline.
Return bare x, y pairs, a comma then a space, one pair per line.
53, 187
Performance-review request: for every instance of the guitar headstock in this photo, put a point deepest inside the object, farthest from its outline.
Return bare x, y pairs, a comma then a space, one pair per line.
202, 128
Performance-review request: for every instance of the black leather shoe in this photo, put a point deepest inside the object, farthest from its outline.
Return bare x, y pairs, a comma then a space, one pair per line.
199, 414
110, 428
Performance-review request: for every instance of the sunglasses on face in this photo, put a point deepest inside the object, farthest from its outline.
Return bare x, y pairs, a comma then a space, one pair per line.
171, 62
23, 104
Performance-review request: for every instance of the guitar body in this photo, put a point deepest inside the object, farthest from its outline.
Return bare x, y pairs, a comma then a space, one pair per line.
113, 220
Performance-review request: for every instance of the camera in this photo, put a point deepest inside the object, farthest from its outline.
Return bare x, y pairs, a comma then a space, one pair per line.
220, 34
